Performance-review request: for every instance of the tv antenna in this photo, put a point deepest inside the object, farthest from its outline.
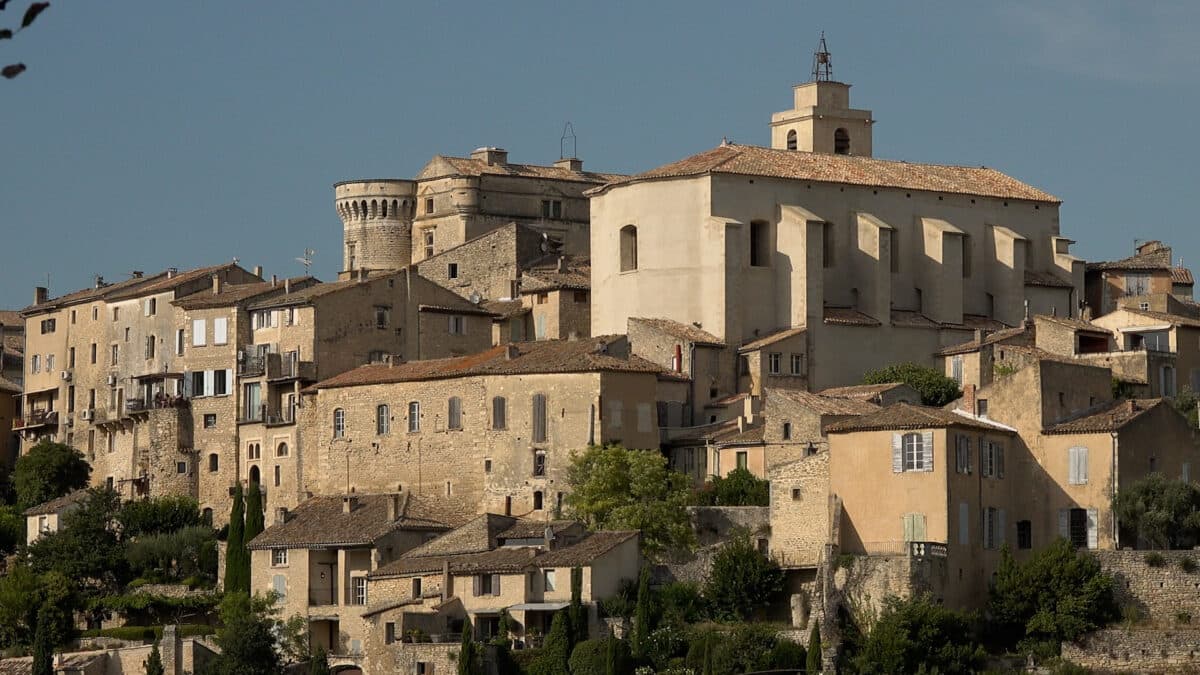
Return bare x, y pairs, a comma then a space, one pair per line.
306, 259
822, 62
568, 134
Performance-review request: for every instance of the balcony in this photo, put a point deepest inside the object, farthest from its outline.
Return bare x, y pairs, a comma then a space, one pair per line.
36, 418
135, 405
250, 365
279, 419
288, 367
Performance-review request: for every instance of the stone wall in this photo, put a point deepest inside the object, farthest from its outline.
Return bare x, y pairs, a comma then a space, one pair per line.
1140, 650
487, 264
713, 525
799, 511
1159, 593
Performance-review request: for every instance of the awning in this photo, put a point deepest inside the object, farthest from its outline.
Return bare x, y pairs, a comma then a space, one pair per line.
34, 392
539, 606
488, 611
159, 376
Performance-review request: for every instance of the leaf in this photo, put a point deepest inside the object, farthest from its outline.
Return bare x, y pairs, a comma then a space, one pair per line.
5, 34
32, 13
11, 71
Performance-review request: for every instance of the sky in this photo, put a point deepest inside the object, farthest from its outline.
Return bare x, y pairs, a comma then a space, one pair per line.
149, 134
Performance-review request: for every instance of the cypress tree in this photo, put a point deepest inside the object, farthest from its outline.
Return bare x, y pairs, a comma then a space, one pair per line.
154, 664
43, 642
235, 546
318, 663
577, 615
556, 650
254, 513
641, 616
813, 664
610, 655
466, 654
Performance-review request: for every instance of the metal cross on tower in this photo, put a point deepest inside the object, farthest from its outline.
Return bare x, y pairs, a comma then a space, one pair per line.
822, 63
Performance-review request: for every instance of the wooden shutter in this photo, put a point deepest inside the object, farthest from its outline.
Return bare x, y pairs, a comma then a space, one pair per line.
919, 526
1064, 523
897, 453
476, 585
208, 382
1093, 535
927, 452
907, 523
495, 584
1000, 528
1073, 466
1000, 460
964, 533
228, 381
1082, 454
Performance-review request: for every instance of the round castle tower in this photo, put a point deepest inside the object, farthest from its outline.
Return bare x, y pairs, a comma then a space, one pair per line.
376, 222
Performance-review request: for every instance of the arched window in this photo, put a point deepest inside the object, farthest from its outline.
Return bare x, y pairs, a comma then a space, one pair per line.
383, 417
339, 423
253, 451
629, 248
255, 476
214, 462
454, 413
281, 450
374, 208
539, 418
791, 140
206, 516
384, 207
841, 142
414, 417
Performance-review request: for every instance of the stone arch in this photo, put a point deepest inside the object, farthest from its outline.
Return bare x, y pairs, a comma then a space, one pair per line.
255, 476
791, 140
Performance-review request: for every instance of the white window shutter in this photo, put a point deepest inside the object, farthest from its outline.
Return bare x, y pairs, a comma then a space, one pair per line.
964, 533
1093, 535
208, 382
919, 526
897, 453
229, 380
1083, 465
907, 521
1064, 523
220, 330
1073, 466
199, 330
1000, 529
927, 450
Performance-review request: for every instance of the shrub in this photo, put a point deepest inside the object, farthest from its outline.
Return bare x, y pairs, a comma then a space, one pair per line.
681, 601
170, 556
738, 488
788, 655
158, 515
1162, 511
1154, 559
935, 388
1187, 564
149, 633
49, 470
742, 580
917, 635
590, 657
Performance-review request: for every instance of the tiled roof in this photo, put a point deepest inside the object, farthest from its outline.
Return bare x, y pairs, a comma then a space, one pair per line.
524, 528
1074, 324
90, 294
771, 339
905, 318
233, 295
317, 290
862, 392
455, 307
1019, 335
474, 536
499, 560
1157, 259
504, 309
844, 169
1173, 319
56, 505
162, 283
586, 550
825, 404
1108, 416
323, 521
1182, 276
902, 416
441, 165
9, 317
576, 279
977, 321
683, 331
844, 316
583, 355
1047, 279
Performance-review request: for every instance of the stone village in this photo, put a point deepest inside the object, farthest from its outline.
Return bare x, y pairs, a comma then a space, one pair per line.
411, 424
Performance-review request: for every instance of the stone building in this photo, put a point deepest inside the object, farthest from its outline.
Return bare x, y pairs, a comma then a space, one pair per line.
12, 375
1149, 271
46, 518
842, 254
494, 428
1169, 341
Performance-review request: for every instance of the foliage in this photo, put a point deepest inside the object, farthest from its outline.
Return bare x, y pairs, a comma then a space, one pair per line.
470, 655
254, 518
1154, 559
1057, 594
934, 387
292, 636
1161, 512
54, 629
20, 598
681, 601
147, 633
158, 515
237, 558
318, 663
32, 11
174, 556
607, 656
48, 471
576, 615
742, 580
1186, 402
744, 648
12, 528
246, 637
917, 635
613, 488
153, 664
1183, 618
85, 549
738, 488
555, 655
668, 640
1187, 564
789, 655
621, 604
641, 618
813, 660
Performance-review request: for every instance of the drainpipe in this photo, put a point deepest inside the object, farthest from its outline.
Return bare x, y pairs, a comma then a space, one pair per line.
692, 389
1116, 533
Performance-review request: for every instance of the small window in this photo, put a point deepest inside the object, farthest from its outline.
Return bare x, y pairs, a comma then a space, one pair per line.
279, 557
427, 238
457, 325
116, 352
981, 407
629, 248
962, 454
551, 208
181, 467
214, 463
416, 587
760, 244
1024, 534
93, 352
542, 298
339, 423
549, 583
389, 630
414, 417
537, 500
487, 466
796, 494
429, 205
179, 341
383, 417
743, 459
797, 364
358, 590
841, 142
791, 140
383, 316
539, 463
787, 431
281, 450
454, 413
499, 412
580, 296
116, 313
452, 270
914, 452
278, 475
539, 418
774, 363
210, 421
150, 343
254, 451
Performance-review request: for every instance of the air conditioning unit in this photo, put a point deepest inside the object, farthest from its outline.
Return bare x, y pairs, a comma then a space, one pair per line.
87, 414
66, 375
112, 380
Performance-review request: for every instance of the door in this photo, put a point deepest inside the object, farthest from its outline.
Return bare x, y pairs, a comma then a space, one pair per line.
1078, 528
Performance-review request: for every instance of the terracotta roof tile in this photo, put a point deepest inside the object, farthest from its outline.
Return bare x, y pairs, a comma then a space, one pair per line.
1182, 276
1108, 416
506, 559
1173, 319
844, 169
162, 283
323, 521
56, 505
772, 339
90, 294
1158, 259
234, 295
504, 309
1019, 335
901, 416
862, 392
1046, 279
317, 290
578, 279
586, 550
683, 331
466, 166
844, 316
10, 317
977, 321
823, 404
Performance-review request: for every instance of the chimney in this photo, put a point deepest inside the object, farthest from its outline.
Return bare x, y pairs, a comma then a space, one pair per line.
287, 285
677, 362
171, 272
393, 508
40, 294
968, 398
491, 155
137, 274
99, 281
274, 280
570, 164
258, 271
349, 503
562, 264
281, 515
216, 279
511, 352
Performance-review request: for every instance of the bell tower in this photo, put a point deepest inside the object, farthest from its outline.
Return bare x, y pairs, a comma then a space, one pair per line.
821, 119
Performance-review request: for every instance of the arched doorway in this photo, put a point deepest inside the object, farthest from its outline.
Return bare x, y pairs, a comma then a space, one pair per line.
255, 477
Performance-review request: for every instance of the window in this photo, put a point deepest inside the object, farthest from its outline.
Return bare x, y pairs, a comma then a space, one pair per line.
281, 450
181, 467
537, 500
220, 331
791, 140
457, 325
551, 208
1024, 534
962, 454
35, 364
1137, 284
742, 459
116, 313
254, 451
1078, 526
72, 316
278, 475
199, 332
797, 364
1185, 472
93, 352
70, 399
991, 459
542, 298
1144, 306
351, 259
499, 412
389, 630
487, 584
214, 463
796, 494
549, 583
429, 205
956, 368
339, 423
149, 346
210, 421
787, 431
993, 527
1077, 461
580, 296
828, 244
48, 326
414, 417
912, 452
382, 419
358, 590
629, 248
416, 587
774, 363
964, 525
981, 407
893, 251
452, 270
150, 306
1153, 464
487, 466
539, 418
841, 142
424, 668
428, 239
760, 244
115, 354
70, 357
539, 463
383, 316
221, 380
914, 526
1167, 382
179, 340
278, 557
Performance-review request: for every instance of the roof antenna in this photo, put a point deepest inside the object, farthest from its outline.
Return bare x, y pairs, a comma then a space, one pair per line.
822, 64
306, 259
568, 134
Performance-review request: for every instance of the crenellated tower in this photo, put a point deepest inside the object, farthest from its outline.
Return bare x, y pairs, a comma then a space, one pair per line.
377, 220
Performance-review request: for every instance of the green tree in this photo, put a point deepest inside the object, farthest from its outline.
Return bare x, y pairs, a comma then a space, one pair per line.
1186, 402
470, 655
742, 580
738, 488
20, 598
934, 387
641, 616
12, 528
153, 665
254, 516
54, 629
1057, 594
1160, 512
917, 635
48, 471
555, 656
613, 488
158, 515
575, 613
247, 637
32, 10
608, 656
813, 664
237, 559
318, 663
85, 549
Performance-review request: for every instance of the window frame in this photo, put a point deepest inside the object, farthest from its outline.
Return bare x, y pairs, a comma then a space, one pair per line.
339, 422
454, 414
383, 415
414, 417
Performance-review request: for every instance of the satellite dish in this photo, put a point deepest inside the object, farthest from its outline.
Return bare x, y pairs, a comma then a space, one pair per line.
475, 297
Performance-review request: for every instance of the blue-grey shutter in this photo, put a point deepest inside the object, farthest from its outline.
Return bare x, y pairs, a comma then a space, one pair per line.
1093, 534
985, 467
918, 527
897, 453
187, 385
476, 585
907, 520
495, 584
1000, 529
964, 533
1064, 523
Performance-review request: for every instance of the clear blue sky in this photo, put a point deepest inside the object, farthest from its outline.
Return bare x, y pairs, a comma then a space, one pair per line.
154, 134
